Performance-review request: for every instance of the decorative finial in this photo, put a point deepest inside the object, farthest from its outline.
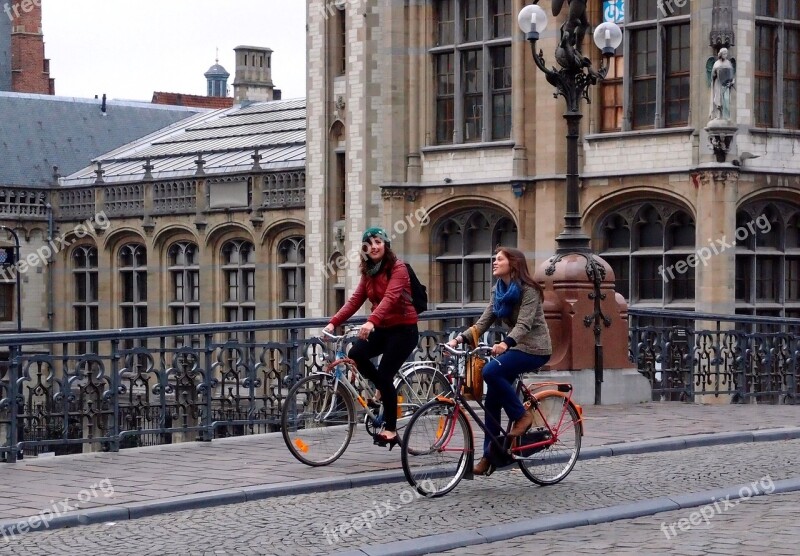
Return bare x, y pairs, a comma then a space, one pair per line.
217, 58
148, 168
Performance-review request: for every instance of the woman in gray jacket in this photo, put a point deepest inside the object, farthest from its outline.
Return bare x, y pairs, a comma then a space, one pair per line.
517, 302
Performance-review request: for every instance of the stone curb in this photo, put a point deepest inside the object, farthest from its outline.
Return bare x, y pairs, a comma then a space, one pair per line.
136, 510
494, 533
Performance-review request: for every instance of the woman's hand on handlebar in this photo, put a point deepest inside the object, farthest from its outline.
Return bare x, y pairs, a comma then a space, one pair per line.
454, 342
328, 330
499, 349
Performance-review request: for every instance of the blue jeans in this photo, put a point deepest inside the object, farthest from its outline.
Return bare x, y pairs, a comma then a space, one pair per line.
499, 375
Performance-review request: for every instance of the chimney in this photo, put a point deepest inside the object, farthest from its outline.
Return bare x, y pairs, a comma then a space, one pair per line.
253, 81
30, 70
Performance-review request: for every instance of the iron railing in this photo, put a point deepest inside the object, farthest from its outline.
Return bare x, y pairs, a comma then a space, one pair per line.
686, 354
68, 392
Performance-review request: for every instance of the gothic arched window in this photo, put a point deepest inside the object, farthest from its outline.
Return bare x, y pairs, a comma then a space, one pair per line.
647, 246
239, 272
292, 265
466, 243
768, 259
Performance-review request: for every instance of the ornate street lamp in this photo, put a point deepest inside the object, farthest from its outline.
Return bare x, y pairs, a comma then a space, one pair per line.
572, 81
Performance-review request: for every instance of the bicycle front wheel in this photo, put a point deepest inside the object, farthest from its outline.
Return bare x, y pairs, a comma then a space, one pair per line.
317, 421
436, 447
417, 386
557, 419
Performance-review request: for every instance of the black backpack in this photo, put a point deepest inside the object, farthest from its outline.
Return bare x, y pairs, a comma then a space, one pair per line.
419, 293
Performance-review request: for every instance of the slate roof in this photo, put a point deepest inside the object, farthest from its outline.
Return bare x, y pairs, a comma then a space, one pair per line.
226, 138
38, 132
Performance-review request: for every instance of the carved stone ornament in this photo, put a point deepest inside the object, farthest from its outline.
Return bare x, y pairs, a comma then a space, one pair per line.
722, 35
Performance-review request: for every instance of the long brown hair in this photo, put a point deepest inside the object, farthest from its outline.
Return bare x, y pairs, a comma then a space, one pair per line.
519, 268
389, 258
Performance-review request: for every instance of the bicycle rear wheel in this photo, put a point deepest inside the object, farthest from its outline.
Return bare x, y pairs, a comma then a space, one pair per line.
436, 447
317, 422
550, 464
417, 386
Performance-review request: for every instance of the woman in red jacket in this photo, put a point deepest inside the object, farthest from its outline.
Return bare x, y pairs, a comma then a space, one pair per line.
391, 329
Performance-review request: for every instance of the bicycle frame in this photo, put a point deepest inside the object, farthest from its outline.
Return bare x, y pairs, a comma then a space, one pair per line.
358, 383
502, 443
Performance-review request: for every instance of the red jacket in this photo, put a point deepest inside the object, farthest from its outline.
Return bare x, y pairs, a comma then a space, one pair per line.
391, 299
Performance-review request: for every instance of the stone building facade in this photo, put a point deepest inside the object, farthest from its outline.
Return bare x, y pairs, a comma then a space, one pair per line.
437, 105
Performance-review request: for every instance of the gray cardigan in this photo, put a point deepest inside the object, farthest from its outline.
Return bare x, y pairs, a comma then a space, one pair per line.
529, 332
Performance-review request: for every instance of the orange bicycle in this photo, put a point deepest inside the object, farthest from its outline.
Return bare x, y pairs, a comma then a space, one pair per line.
438, 445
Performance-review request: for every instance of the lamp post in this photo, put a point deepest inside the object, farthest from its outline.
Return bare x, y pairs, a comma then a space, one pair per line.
16, 275
572, 81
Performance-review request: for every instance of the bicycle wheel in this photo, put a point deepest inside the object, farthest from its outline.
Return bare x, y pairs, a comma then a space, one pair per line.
436, 447
550, 464
417, 386
317, 423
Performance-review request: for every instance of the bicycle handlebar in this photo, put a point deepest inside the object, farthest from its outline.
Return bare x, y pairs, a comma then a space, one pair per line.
482, 349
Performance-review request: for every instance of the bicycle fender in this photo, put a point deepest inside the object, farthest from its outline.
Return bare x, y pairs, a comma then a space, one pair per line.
578, 408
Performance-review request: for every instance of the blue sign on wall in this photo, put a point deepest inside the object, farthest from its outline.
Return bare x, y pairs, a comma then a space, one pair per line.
614, 10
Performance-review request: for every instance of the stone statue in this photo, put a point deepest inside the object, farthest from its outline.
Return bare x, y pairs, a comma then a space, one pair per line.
721, 74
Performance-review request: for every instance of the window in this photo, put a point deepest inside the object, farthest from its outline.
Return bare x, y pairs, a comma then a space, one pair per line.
184, 283
611, 94
768, 259
658, 69
465, 245
472, 67
777, 64
133, 285
6, 301
339, 47
86, 302
292, 257
239, 279
648, 247
341, 186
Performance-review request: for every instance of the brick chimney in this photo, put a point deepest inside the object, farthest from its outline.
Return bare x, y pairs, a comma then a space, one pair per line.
30, 70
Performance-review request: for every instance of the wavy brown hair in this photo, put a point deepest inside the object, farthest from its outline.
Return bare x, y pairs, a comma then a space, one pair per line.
389, 258
519, 268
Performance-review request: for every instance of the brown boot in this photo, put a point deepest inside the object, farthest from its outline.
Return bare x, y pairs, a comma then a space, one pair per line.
482, 467
522, 424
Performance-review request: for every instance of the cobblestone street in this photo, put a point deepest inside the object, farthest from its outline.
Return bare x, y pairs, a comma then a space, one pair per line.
308, 524
768, 525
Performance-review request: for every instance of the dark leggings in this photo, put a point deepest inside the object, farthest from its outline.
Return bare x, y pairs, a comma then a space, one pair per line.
395, 343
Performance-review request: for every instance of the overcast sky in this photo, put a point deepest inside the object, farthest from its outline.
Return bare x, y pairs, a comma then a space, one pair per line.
129, 48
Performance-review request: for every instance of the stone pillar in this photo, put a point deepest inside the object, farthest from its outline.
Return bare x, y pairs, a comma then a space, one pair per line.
717, 194
715, 265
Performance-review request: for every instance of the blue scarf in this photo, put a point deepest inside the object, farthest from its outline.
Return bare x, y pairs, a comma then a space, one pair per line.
505, 298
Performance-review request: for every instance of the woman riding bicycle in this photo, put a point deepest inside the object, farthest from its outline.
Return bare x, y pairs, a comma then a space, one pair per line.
517, 302
391, 329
